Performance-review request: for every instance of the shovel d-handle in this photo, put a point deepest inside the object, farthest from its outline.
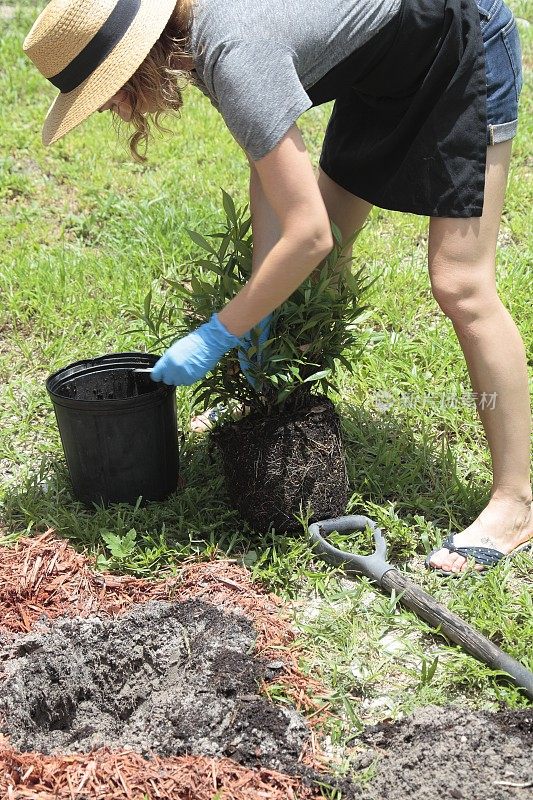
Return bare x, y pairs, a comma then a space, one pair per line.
456, 629
411, 596
373, 566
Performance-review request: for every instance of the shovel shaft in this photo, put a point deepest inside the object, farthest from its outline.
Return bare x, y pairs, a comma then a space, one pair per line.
456, 629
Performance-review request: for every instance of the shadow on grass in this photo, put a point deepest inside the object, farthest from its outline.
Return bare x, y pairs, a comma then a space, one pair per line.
399, 476
391, 461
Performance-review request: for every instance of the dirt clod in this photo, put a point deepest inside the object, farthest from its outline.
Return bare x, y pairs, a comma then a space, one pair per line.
164, 678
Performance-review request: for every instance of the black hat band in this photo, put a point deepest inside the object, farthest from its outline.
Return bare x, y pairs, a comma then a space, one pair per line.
97, 50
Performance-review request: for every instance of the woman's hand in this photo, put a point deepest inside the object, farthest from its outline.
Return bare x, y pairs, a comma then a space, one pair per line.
190, 358
290, 187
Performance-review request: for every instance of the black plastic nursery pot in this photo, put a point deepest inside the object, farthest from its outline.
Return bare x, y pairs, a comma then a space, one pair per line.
279, 465
118, 429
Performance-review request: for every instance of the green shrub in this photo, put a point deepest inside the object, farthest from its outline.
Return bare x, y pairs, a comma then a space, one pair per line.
317, 325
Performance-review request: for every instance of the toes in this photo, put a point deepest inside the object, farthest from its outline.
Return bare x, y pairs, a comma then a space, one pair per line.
438, 560
453, 562
457, 563
450, 562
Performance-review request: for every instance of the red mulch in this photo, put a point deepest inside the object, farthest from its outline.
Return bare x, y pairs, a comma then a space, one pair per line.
44, 576
107, 775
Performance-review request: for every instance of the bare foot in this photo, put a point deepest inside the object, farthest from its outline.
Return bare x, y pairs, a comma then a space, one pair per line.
502, 525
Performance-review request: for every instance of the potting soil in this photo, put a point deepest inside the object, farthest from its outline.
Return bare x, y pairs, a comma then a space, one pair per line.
276, 466
108, 384
451, 753
165, 678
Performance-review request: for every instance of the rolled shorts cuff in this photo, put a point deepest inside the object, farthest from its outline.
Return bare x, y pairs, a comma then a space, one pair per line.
502, 132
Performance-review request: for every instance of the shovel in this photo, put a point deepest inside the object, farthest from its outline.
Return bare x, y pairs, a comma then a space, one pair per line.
377, 568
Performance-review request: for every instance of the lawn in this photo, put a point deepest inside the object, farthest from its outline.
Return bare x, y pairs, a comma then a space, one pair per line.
86, 233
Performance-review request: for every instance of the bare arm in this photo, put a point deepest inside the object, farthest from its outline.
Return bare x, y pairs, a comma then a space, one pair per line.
288, 192
265, 224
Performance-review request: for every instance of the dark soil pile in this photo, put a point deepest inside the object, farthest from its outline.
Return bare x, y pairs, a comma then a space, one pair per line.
44, 579
276, 466
165, 678
452, 753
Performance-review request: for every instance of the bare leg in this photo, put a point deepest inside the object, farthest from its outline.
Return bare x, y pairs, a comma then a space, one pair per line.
463, 278
346, 210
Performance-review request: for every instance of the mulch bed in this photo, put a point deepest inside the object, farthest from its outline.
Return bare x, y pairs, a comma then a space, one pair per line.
106, 775
43, 578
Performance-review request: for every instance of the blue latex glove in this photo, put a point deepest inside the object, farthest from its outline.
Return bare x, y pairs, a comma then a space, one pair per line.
190, 358
246, 342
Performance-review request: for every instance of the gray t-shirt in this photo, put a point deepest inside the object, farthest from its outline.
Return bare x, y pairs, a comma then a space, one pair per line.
255, 58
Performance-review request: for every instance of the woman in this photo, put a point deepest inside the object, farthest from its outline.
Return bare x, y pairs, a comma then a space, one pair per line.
426, 96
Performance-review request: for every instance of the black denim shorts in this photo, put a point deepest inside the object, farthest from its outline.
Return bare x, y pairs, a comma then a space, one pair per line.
503, 66
409, 124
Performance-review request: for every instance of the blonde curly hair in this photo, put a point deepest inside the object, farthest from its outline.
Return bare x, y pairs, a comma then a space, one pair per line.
157, 80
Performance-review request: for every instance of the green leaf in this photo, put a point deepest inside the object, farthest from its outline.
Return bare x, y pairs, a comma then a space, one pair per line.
245, 227
277, 359
147, 305
351, 714
102, 563
201, 242
202, 396
345, 363
229, 208
337, 235
120, 547
250, 558
317, 376
223, 249
243, 248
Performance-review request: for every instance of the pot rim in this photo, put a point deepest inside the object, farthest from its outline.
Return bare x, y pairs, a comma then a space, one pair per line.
86, 366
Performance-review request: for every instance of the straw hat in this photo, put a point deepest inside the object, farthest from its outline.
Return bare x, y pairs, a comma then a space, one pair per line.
89, 49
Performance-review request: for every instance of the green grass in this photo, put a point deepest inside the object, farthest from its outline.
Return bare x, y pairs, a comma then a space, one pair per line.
85, 233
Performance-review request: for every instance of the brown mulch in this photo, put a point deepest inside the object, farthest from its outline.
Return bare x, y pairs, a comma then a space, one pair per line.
107, 775
43, 577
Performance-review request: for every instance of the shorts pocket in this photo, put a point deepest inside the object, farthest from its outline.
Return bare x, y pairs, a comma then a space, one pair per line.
494, 15
511, 40
484, 13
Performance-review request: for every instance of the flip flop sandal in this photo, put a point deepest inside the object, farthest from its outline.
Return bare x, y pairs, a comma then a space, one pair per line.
204, 422
487, 557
